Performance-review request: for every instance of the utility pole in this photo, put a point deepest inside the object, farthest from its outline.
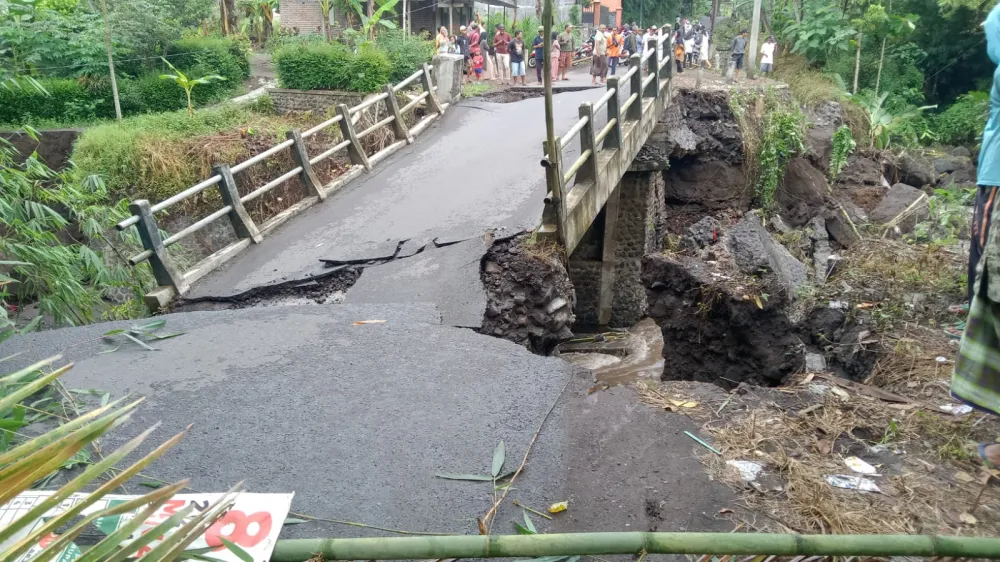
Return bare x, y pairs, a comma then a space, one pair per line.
752, 46
111, 60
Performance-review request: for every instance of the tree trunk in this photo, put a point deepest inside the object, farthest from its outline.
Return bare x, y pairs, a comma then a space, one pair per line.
857, 63
881, 61
371, 26
111, 60
538, 9
227, 9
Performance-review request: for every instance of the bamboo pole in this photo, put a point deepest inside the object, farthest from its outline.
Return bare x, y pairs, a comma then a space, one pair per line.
528, 546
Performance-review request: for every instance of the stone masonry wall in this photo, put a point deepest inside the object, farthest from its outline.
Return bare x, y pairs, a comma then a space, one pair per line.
641, 225
317, 101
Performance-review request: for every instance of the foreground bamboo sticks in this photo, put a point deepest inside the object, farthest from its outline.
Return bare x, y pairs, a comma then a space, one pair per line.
529, 546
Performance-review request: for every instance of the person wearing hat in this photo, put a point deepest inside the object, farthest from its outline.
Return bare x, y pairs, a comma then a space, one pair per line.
500, 44
539, 46
567, 46
462, 43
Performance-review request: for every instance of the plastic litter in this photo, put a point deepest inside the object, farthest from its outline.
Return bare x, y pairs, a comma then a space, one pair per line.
956, 409
941, 359
860, 466
849, 482
749, 470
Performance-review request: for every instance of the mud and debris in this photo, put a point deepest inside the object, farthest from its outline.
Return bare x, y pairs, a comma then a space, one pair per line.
530, 299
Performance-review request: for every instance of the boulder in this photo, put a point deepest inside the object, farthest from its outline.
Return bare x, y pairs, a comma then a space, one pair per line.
903, 206
964, 174
840, 229
827, 114
860, 171
912, 170
961, 151
802, 192
700, 234
944, 165
713, 185
754, 250
820, 143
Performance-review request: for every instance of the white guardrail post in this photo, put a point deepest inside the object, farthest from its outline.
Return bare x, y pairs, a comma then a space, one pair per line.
354, 150
164, 270
614, 137
433, 105
243, 225
588, 141
300, 155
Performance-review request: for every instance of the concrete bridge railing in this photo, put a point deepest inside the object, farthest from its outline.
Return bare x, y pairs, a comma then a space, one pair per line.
596, 175
174, 282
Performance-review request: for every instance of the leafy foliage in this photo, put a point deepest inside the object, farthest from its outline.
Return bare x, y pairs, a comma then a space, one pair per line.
773, 132
825, 31
843, 146
963, 122
406, 52
52, 224
332, 67
883, 124
28, 461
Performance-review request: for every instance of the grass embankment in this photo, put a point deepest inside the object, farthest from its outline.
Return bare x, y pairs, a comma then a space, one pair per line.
156, 156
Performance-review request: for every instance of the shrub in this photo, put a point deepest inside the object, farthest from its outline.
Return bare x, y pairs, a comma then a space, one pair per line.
320, 66
223, 56
314, 66
18, 105
370, 70
963, 121
406, 53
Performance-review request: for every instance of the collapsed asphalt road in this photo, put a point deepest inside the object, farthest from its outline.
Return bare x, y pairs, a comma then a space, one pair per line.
357, 420
475, 171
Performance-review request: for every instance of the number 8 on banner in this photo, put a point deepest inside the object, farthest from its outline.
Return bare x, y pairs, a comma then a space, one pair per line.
239, 528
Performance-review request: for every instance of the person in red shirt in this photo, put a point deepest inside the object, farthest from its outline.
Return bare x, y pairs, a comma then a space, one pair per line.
473, 45
500, 42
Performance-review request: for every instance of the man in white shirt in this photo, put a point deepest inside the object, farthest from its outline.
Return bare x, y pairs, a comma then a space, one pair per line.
599, 59
767, 56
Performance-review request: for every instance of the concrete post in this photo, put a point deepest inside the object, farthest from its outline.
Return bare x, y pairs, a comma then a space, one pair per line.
164, 270
635, 87
243, 225
447, 76
614, 138
354, 150
399, 129
588, 141
434, 98
653, 61
300, 155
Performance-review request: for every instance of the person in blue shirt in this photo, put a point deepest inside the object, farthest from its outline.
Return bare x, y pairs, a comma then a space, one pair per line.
539, 45
976, 379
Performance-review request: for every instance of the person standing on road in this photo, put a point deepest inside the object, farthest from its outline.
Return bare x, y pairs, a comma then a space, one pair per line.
554, 56
739, 48
500, 43
567, 46
599, 61
462, 44
976, 380
634, 42
614, 48
703, 53
767, 56
485, 46
517, 52
539, 47
679, 52
441, 41
473, 46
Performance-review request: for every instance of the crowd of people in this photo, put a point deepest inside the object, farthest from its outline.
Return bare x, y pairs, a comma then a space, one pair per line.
497, 55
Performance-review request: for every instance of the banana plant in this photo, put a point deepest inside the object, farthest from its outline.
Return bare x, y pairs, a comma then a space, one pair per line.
881, 122
188, 84
370, 23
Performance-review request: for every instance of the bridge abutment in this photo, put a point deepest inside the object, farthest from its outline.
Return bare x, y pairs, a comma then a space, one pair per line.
606, 266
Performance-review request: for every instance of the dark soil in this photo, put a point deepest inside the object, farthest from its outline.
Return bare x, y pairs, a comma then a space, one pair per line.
530, 299
322, 289
511, 96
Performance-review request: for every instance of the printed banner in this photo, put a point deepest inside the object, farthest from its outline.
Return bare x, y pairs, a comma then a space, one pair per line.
254, 522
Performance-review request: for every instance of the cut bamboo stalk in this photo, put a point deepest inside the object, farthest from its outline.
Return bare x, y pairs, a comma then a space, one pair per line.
530, 546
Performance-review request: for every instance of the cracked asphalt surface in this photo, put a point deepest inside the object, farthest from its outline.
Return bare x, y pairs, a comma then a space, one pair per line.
477, 169
357, 420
